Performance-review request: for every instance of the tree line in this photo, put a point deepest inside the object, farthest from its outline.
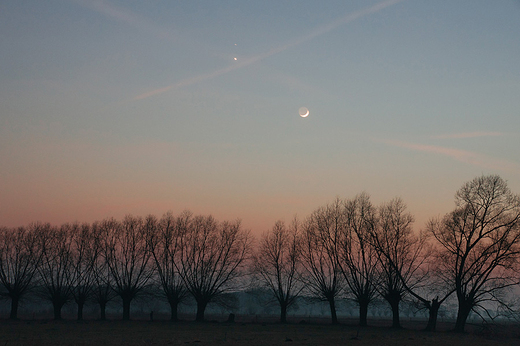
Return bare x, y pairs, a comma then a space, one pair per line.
346, 249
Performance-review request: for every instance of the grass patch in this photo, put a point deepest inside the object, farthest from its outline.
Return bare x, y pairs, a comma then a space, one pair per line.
248, 334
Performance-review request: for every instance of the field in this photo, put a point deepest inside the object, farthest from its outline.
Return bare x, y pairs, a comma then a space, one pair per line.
40, 332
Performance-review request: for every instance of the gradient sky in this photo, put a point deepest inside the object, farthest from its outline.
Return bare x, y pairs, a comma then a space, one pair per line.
121, 107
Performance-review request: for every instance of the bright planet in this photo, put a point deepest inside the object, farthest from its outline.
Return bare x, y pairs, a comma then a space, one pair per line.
304, 112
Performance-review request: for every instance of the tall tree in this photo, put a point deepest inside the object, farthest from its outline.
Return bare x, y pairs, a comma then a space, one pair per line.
278, 264
103, 291
20, 256
85, 251
56, 269
164, 244
434, 290
128, 259
211, 258
480, 243
400, 254
357, 258
320, 247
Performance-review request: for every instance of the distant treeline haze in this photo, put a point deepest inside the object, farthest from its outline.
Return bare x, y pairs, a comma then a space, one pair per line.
348, 249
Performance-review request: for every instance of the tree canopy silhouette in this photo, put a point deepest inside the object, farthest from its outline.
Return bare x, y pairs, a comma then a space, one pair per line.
480, 242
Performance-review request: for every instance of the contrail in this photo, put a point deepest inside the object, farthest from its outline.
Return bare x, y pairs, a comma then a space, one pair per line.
122, 15
246, 62
464, 156
468, 135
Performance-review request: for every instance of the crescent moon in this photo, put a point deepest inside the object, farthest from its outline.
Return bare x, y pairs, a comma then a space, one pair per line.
303, 111
305, 115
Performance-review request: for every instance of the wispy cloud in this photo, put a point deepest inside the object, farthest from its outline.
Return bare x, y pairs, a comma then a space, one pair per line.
468, 135
248, 61
465, 156
123, 15
279, 77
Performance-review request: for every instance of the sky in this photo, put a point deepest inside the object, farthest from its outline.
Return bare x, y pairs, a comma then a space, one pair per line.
116, 107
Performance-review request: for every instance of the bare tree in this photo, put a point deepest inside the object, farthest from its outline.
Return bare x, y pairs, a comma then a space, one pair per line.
278, 264
56, 269
480, 241
211, 258
20, 256
400, 253
128, 259
320, 247
432, 285
85, 251
357, 258
164, 246
103, 291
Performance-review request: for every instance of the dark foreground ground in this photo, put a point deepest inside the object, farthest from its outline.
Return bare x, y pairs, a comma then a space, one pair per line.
250, 334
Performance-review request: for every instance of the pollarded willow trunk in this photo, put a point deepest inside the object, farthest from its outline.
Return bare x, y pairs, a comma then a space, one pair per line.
363, 312
15, 300
433, 313
201, 308
174, 305
394, 298
80, 310
103, 313
333, 314
57, 310
126, 308
462, 316
283, 313
80, 299
396, 323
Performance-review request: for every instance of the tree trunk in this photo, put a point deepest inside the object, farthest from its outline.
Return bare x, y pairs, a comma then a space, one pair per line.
394, 300
462, 316
433, 312
14, 307
333, 314
126, 308
363, 312
80, 310
173, 309
57, 310
201, 308
103, 308
396, 323
283, 313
